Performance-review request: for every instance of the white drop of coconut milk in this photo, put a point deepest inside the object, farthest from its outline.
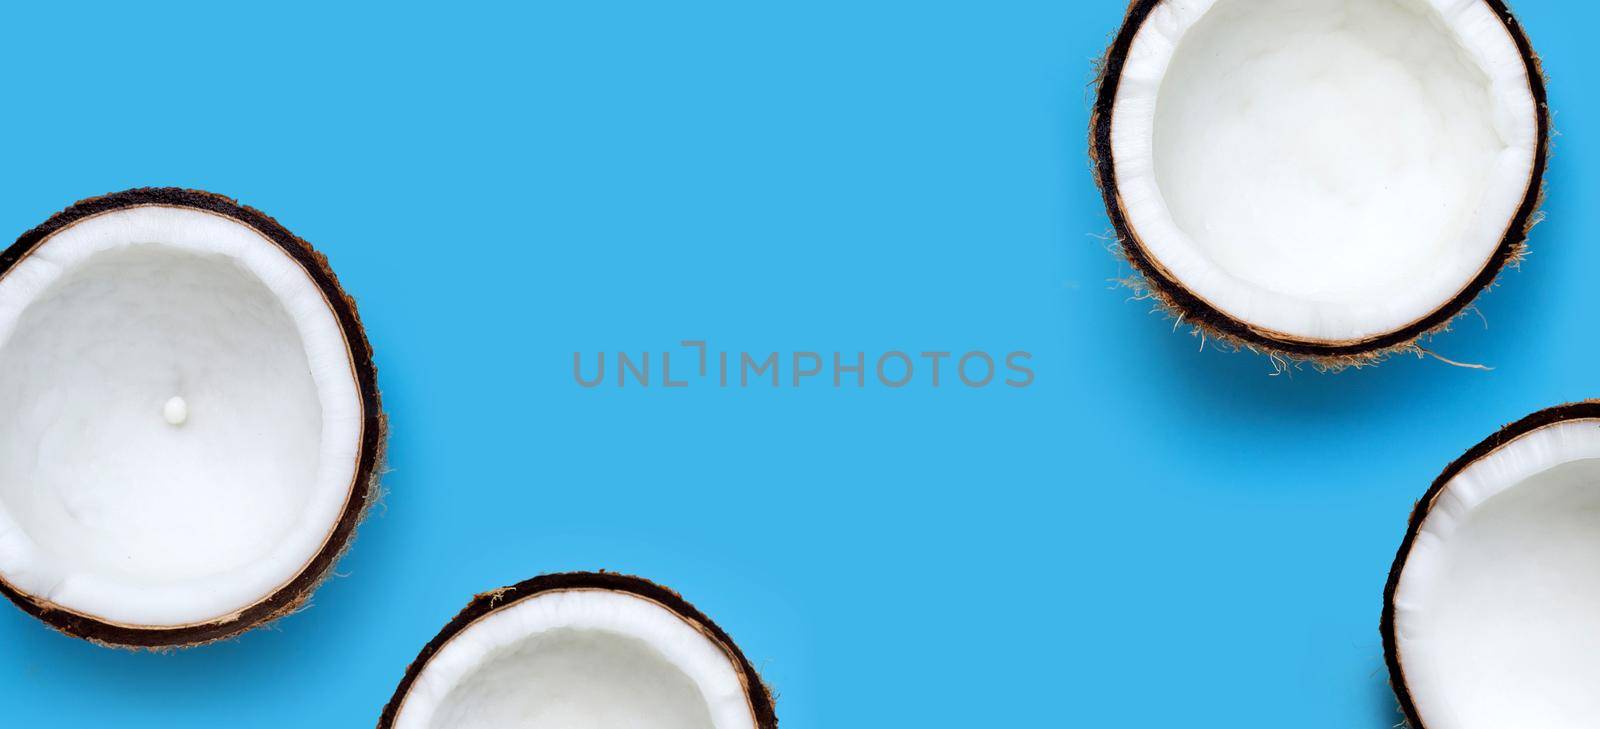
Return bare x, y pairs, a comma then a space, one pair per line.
176, 411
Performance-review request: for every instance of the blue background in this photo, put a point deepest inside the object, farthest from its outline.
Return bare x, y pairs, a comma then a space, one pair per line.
1151, 535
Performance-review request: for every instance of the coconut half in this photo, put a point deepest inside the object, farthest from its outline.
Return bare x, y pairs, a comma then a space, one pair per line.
1322, 179
192, 419
580, 651
1492, 610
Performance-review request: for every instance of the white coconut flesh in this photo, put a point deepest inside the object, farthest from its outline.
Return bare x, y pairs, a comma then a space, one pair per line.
579, 659
182, 420
1326, 170
1497, 609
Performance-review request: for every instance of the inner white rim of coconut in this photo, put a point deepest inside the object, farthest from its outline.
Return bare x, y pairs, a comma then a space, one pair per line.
115, 502
1497, 611
1329, 170
579, 659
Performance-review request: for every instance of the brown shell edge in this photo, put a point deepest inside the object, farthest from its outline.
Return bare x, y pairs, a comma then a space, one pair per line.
1149, 282
294, 595
758, 693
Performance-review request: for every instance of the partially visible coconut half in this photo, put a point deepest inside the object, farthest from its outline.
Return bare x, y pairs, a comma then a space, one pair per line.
192, 425
580, 651
1323, 180
1492, 610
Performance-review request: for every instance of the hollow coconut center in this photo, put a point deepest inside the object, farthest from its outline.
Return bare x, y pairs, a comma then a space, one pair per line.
578, 659
1497, 613
182, 418
1327, 169
572, 679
